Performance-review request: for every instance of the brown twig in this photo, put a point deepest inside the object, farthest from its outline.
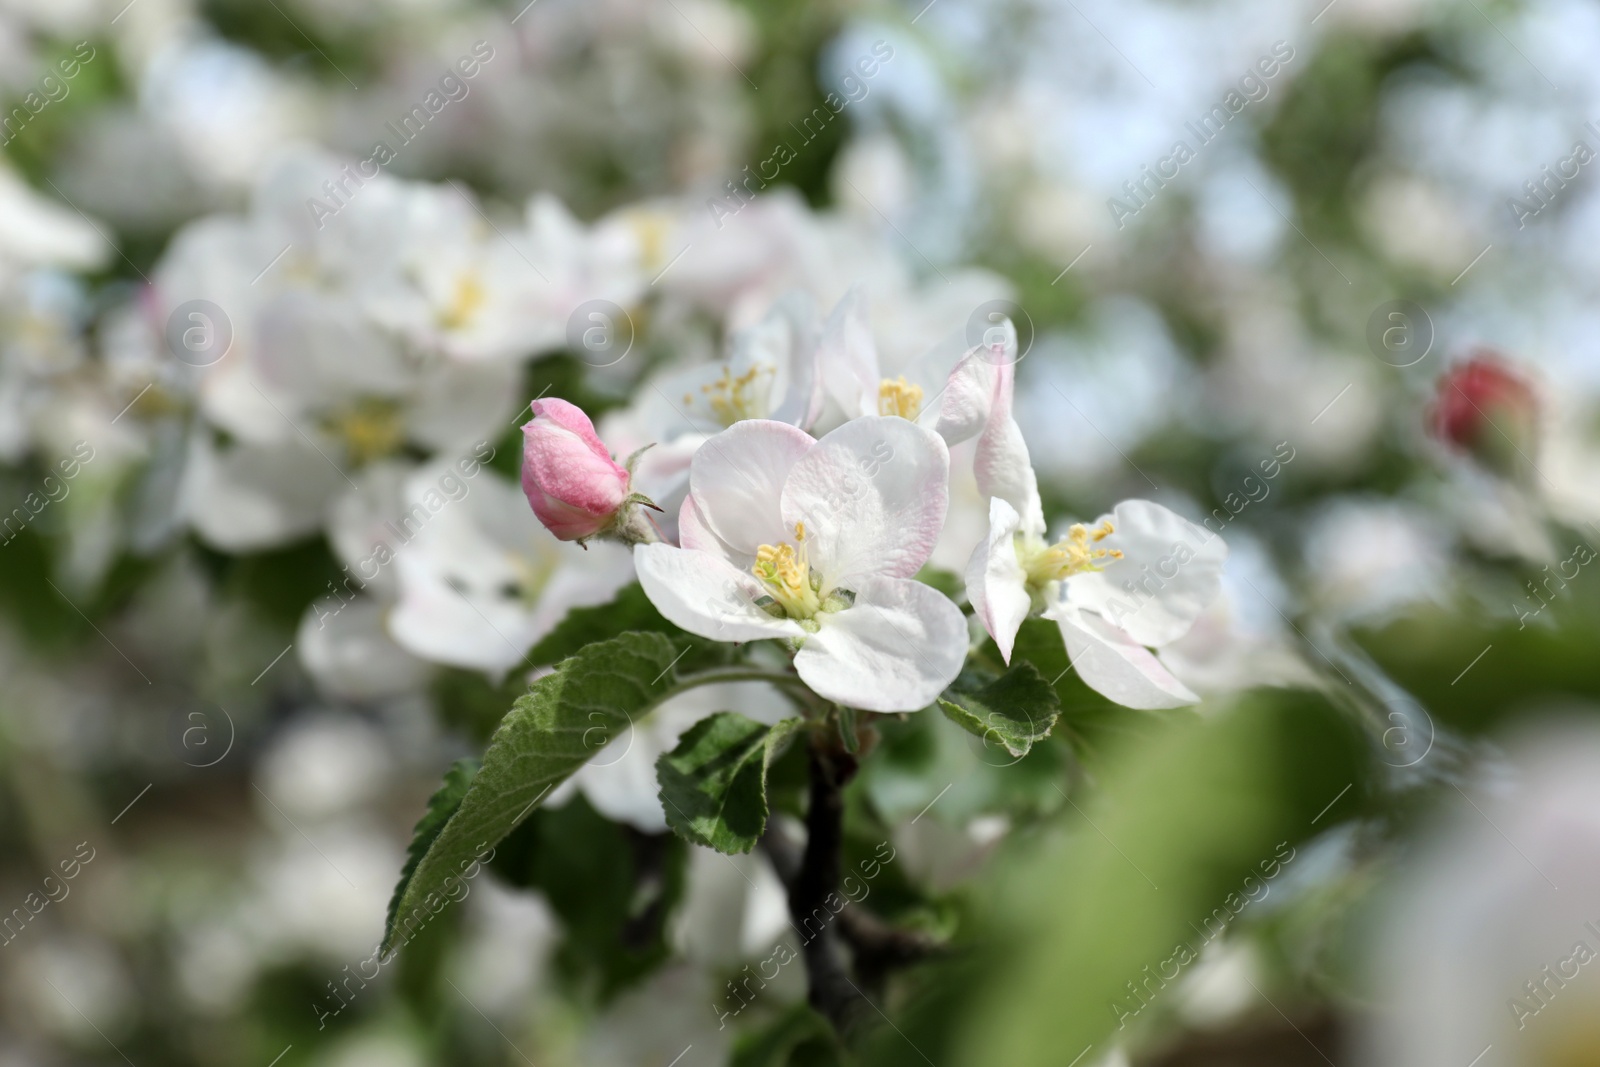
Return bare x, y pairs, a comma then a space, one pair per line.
824, 921
814, 893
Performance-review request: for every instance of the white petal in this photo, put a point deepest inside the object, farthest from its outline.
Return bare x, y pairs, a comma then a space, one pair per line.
358, 522
468, 553
786, 341
458, 406
873, 496
249, 498
321, 350
996, 582
737, 477
693, 533
895, 649
1169, 571
435, 619
706, 595
847, 358
584, 580
620, 782
36, 230
347, 650
1114, 664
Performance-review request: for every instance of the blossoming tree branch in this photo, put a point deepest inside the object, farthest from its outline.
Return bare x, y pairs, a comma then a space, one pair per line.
785, 546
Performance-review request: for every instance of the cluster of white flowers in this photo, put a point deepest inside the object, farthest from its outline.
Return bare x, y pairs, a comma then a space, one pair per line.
354, 372
817, 540
816, 424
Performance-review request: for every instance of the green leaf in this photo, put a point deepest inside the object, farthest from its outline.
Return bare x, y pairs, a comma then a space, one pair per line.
563, 720
1153, 867
1017, 709
442, 805
714, 784
630, 611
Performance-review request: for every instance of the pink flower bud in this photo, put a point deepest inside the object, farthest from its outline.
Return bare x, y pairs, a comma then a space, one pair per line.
1488, 410
571, 480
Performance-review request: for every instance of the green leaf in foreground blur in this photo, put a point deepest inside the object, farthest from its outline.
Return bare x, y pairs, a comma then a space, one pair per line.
797, 1038
564, 719
1015, 710
1104, 924
714, 784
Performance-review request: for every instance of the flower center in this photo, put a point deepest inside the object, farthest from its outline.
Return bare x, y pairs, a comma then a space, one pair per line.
896, 396
793, 591
735, 398
369, 429
1073, 554
469, 296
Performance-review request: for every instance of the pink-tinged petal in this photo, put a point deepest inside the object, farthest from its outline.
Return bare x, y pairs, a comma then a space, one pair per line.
847, 357
1004, 469
693, 533
1169, 571
1114, 664
736, 481
967, 397
980, 383
996, 583
895, 649
571, 481
1001, 463
706, 595
872, 495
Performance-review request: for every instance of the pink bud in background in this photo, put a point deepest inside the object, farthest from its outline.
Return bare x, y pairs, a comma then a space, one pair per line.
571, 480
1488, 409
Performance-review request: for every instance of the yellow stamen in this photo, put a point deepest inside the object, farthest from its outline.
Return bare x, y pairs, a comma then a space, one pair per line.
744, 397
469, 297
896, 396
785, 572
1073, 554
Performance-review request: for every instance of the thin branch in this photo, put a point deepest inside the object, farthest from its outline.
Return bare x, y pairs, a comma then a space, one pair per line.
815, 889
